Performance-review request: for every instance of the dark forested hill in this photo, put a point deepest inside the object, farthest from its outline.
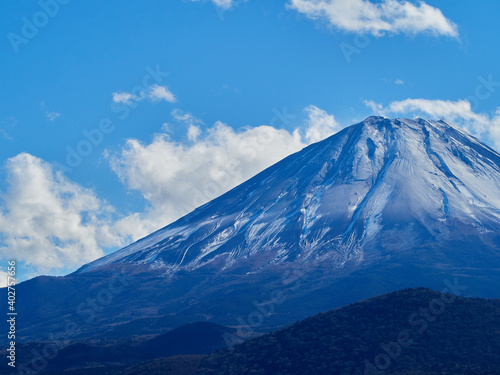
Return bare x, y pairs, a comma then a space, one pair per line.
410, 332
414, 331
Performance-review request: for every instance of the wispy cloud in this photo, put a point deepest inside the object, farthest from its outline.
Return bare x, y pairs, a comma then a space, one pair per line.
223, 4
399, 82
6, 125
155, 93
192, 123
123, 97
386, 16
158, 93
50, 115
185, 117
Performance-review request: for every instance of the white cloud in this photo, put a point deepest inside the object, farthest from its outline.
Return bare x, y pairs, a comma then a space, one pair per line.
6, 125
193, 132
175, 178
53, 225
51, 116
190, 122
386, 16
123, 97
486, 126
223, 4
3, 279
158, 93
49, 222
155, 93
319, 124
399, 82
185, 117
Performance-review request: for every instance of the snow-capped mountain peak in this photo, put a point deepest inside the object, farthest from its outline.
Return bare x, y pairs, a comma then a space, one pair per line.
375, 187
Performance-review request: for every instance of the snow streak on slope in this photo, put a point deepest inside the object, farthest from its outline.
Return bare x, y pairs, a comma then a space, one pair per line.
336, 200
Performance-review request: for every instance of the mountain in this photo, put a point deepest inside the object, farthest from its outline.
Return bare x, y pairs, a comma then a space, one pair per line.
380, 206
409, 332
414, 331
191, 339
178, 365
422, 179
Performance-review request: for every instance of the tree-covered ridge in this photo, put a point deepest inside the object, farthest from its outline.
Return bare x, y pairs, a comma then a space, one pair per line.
410, 332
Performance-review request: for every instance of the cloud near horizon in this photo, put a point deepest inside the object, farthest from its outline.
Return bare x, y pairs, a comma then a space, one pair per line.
49, 222
386, 16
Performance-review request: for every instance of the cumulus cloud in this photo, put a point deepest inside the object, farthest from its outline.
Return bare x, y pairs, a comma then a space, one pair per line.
158, 93
193, 132
3, 279
175, 178
49, 222
192, 123
53, 225
319, 124
460, 112
386, 16
123, 97
155, 93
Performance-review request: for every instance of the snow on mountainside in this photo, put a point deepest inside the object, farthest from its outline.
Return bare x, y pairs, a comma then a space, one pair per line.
381, 206
375, 188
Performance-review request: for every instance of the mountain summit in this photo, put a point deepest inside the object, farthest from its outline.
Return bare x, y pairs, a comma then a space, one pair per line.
374, 189
382, 205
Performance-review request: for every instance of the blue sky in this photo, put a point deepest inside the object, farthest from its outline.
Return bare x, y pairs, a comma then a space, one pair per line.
186, 99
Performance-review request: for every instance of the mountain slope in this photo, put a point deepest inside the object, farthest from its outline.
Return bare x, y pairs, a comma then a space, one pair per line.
414, 331
191, 339
423, 178
409, 332
380, 206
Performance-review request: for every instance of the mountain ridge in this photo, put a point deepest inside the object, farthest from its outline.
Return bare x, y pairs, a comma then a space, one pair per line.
380, 206
408, 332
394, 153
412, 331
